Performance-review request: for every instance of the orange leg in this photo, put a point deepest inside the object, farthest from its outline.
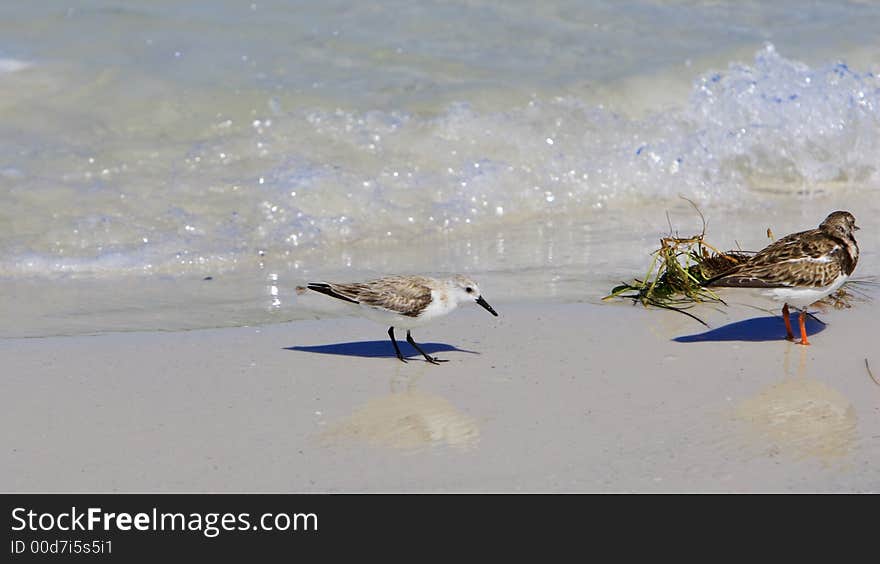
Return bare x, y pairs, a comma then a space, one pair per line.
788, 332
803, 323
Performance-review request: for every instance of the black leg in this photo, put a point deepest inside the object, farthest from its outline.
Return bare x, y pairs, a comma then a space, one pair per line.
394, 342
431, 359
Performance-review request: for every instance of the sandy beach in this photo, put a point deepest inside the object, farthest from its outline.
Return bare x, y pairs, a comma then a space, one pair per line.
545, 398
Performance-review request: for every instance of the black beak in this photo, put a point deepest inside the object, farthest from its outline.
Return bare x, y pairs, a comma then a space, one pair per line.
856, 227
486, 305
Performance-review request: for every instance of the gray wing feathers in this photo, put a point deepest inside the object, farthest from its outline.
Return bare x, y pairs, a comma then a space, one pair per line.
406, 295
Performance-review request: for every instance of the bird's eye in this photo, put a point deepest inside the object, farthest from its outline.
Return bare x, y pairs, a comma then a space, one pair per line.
469, 290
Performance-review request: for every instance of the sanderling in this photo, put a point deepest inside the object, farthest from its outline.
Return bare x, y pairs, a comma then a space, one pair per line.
801, 268
405, 301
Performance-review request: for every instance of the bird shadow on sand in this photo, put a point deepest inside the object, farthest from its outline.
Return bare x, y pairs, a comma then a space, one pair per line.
377, 349
769, 328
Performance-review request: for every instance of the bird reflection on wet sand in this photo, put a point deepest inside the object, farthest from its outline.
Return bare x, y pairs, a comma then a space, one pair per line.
801, 417
406, 420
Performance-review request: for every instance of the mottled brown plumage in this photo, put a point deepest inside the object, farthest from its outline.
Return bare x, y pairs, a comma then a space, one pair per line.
405, 295
813, 258
801, 268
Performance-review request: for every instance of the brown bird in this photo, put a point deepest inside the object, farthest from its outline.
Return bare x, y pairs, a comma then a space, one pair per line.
802, 268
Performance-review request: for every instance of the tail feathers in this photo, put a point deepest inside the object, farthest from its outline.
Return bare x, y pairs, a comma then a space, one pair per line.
741, 281
726, 278
328, 290
739, 278
714, 281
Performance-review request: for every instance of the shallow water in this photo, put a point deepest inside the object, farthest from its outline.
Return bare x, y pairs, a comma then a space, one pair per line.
172, 166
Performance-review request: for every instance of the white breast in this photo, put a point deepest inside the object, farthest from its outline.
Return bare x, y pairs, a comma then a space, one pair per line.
803, 297
441, 304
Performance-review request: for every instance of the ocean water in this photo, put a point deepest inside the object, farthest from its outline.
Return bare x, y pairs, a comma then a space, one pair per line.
175, 165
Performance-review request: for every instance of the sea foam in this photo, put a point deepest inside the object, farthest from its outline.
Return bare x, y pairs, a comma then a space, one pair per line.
301, 184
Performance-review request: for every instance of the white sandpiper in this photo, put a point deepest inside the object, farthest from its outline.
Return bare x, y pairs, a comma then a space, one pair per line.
404, 301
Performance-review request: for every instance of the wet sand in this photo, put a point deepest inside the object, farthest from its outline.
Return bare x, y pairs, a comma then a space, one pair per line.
559, 397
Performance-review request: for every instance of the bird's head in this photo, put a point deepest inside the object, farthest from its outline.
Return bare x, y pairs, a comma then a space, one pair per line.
840, 223
464, 289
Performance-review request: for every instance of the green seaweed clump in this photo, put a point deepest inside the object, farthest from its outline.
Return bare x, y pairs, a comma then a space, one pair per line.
678, 271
